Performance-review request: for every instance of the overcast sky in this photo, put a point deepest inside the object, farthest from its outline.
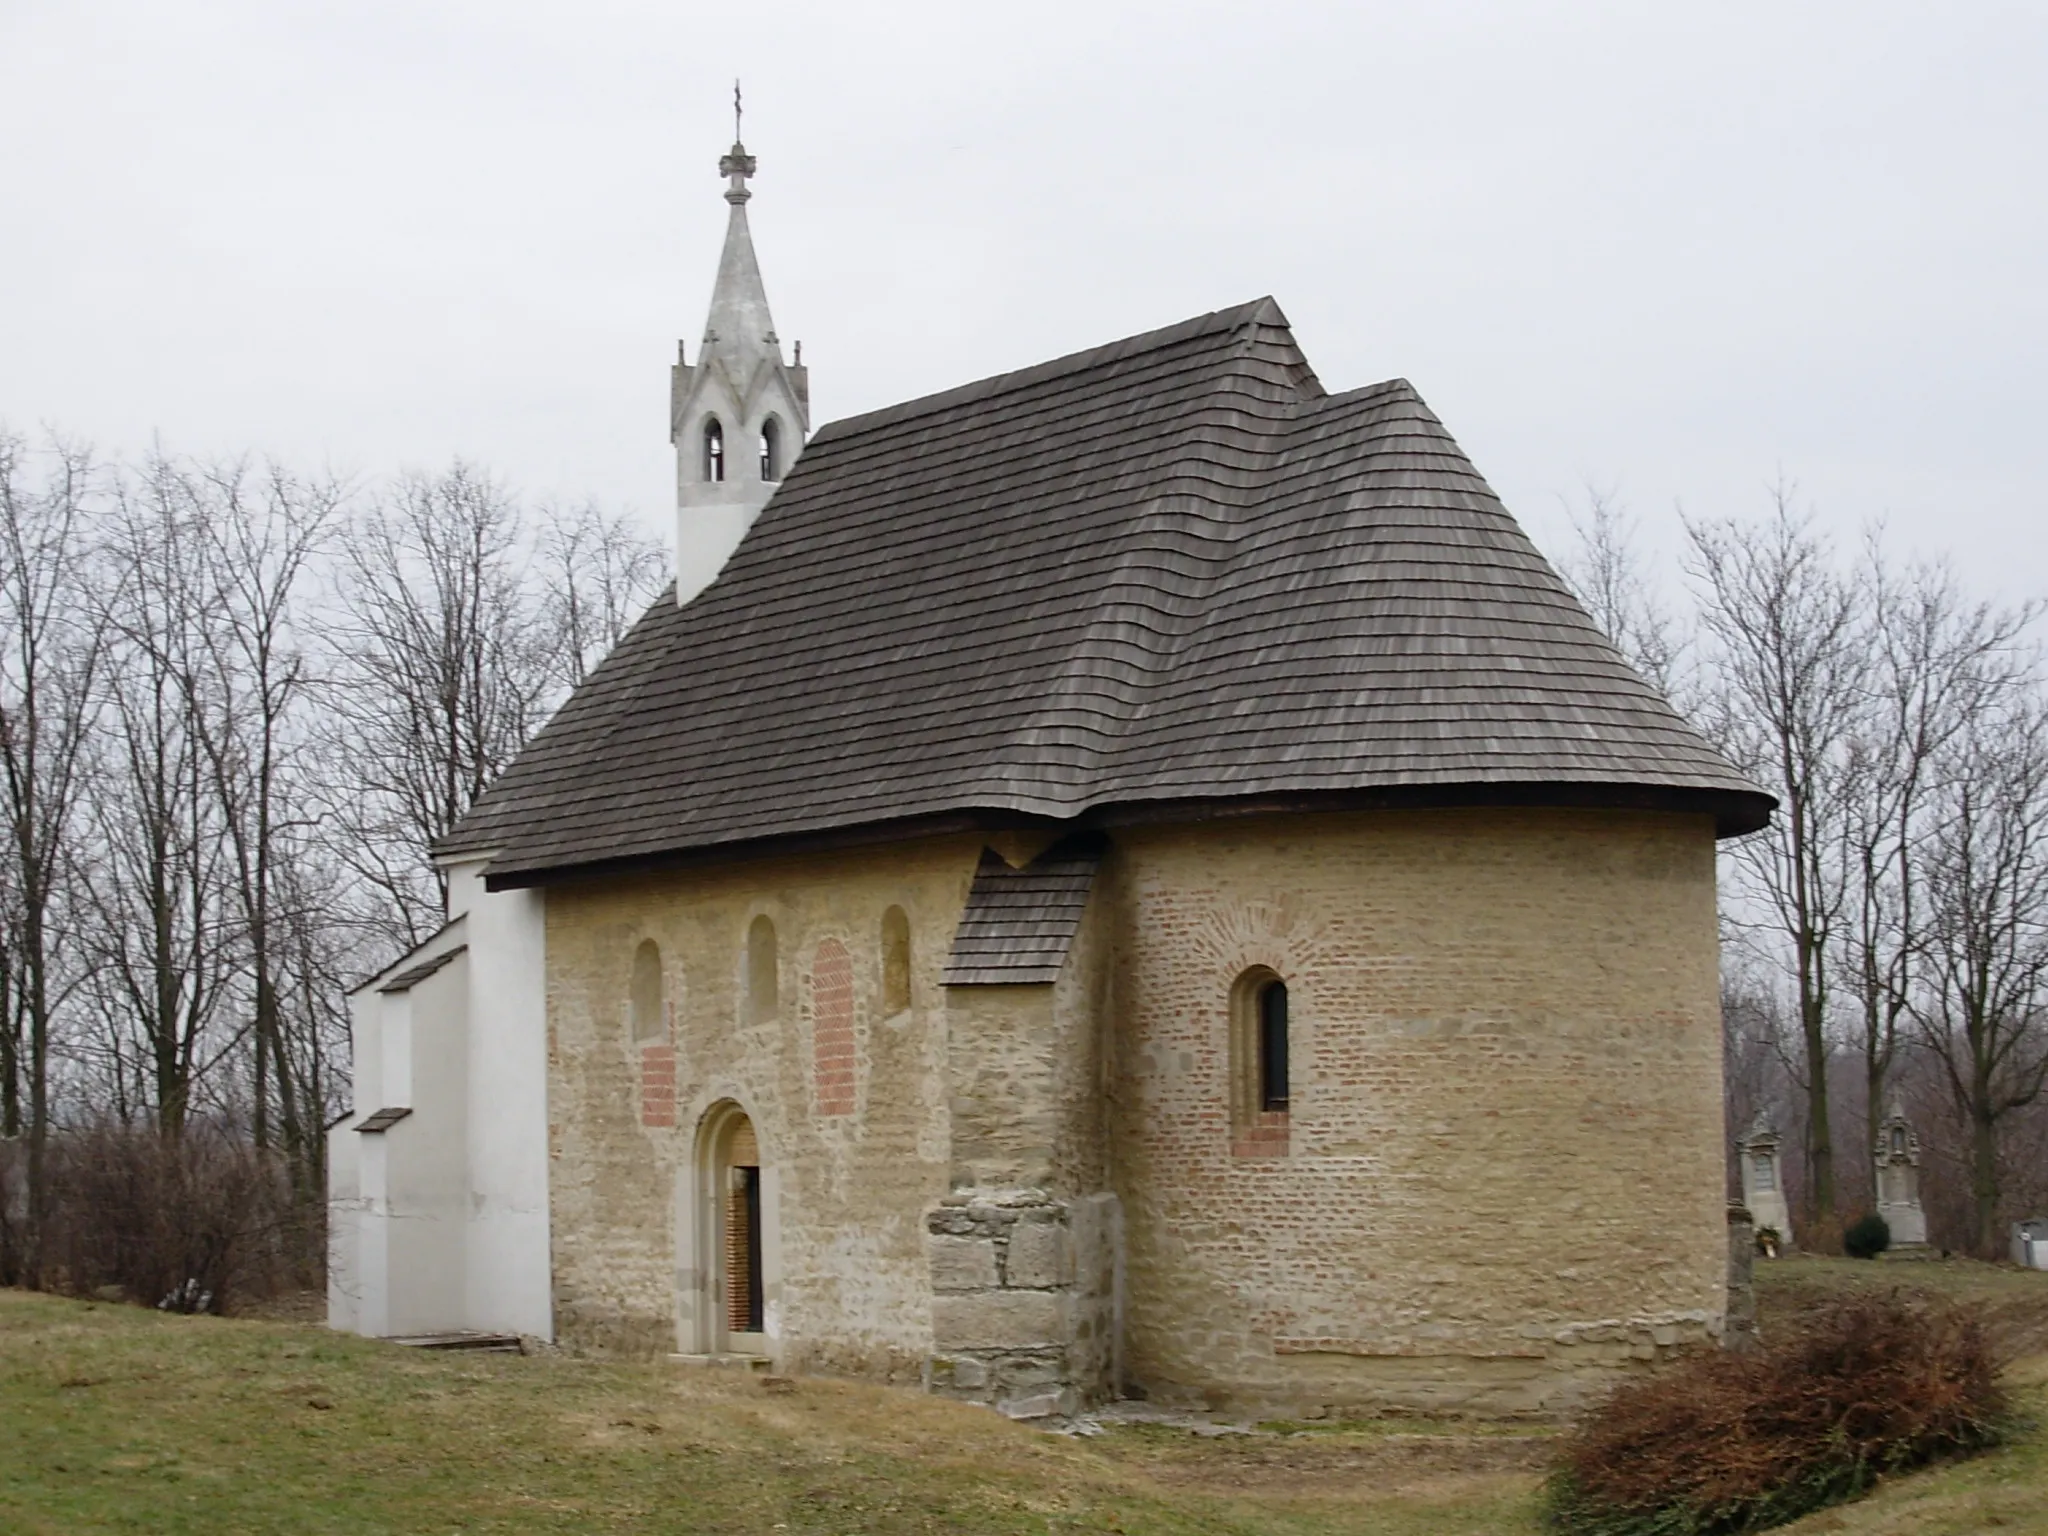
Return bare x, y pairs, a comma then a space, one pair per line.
1677, 250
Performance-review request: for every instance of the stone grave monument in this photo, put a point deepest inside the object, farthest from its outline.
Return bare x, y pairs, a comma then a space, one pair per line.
1763, 1184
1897, 1156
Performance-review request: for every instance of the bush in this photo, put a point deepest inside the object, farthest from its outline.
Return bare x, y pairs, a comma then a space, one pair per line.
1734, 1443
1867, 1237
183, 1223
1821, 1234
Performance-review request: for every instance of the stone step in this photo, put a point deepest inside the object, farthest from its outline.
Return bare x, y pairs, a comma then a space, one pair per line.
483, 1343
760, 1364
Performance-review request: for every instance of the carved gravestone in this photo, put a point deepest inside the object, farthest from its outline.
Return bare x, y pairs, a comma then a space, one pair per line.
1763, 1184
1897, 1157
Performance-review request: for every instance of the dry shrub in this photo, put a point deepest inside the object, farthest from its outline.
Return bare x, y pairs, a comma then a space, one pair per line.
185, 1223
1821, 1234
1731, 1443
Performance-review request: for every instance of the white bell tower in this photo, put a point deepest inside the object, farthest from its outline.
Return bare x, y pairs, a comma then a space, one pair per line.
739, 416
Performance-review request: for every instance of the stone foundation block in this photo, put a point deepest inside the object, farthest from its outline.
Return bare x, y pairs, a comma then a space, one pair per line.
1045, 1405
958, 1373
962, 1263
1041, 1256
998, 1320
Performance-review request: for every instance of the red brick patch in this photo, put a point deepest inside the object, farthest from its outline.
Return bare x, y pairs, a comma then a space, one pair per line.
832, 1027
658, 1086
1265, 1136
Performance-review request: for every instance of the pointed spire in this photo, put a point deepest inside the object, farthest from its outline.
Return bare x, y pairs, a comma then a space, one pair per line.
738, 416
739, 327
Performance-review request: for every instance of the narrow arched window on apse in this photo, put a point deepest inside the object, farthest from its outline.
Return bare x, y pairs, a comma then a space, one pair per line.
771, 449
649, 1007
762, 969
714, 450
895, 962
1259, 1086
1272, 1003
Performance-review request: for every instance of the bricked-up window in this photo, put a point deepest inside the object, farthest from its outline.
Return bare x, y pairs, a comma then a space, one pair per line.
832, 1028
762, 967
649, 1002
895, 962
771, 449
1259, 1064
1272, 1004
714, 450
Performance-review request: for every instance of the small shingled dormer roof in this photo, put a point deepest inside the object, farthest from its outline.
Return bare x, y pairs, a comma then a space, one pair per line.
412, 976
1164, 577
1018, 923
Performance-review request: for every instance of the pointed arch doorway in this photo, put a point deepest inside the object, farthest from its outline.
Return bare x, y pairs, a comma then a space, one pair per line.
732, 1227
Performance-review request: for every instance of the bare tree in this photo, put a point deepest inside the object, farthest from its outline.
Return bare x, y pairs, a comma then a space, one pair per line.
456, 645
1981, 1009
51, 644
216, 796
259, 535
1790, 661
445, 671
1607, 572
1938, 663
162, 961
1754, 1077
598, 572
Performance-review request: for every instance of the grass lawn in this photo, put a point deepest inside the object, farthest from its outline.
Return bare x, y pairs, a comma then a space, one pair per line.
117, 1419
114, 1419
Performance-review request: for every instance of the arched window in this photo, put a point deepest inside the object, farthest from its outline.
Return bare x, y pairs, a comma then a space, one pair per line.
1259, 1065
762, 1002
649, 1003
771, 449
895, 962
714, 450
1273, 1045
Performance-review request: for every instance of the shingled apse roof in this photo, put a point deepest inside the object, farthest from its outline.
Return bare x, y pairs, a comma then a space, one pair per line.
1167, 574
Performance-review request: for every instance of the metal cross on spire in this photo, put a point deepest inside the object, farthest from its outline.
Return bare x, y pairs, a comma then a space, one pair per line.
738, 165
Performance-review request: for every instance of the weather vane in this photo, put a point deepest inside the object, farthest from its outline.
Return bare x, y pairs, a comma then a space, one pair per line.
736, 134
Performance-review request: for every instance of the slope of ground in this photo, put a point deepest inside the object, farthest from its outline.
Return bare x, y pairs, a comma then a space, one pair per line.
114, 1419
2004, 1492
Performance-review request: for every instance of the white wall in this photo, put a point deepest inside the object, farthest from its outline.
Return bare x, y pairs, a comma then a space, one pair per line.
344, 1228
426, 1184
441, 1222
397, 1199
509, 1285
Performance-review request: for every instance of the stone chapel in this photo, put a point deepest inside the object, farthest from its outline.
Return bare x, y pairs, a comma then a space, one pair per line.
1131, 875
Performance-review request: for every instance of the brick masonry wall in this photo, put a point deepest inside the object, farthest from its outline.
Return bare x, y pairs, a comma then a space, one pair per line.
1503, 1173
1500, 1180
847, 1271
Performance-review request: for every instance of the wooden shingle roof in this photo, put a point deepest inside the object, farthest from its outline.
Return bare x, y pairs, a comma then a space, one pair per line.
1018, 923
1168, 571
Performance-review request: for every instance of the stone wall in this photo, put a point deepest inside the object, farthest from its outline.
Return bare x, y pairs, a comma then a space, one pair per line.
1499, 1180
848, 1285
1503, 1178
1024, 1300
1026, 1248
